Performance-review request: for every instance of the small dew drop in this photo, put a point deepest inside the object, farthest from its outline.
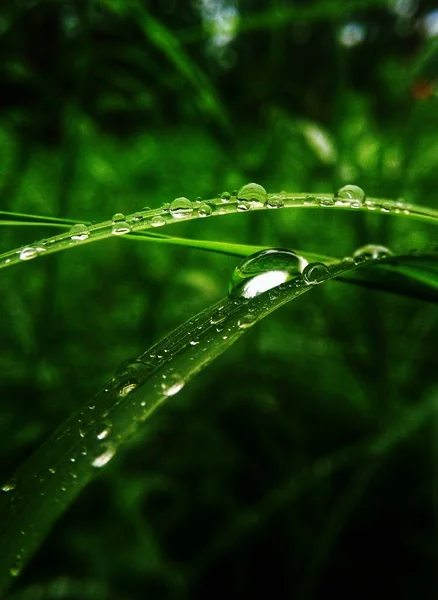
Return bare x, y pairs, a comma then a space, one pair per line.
172, 384
275, 201
120, 226
138, 216
194, 342
246, 321
29, 252
79, 233
181, 208
326, 201
371, 252
14, 571
9, 486
352, 193
205, 210
104, 458
315, 273
52, 470
225, 196
103, 434
253, 193
157, 221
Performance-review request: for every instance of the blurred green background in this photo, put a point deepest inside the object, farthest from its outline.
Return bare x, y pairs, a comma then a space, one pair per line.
246, 482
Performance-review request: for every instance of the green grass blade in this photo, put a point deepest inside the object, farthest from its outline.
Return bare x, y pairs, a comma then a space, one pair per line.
48, 482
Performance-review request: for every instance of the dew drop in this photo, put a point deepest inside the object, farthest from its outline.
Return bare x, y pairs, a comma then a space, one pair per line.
225, 196
326, 201
352, 193
79, 232
253, 193
104, 433
265, 270
129, 374
104, 458
29, 252
9, 486
120, 226
138, 216
371, 252
243, 206
246, 321
275, 201
181, 208
158, 221
52, 470
315, 273
205, 210
172, 384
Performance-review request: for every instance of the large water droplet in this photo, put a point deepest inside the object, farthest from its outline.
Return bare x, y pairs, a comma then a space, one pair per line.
315, 273
265, 270
246, 321
104, 458
120, 226
181, 208
252, 193
30, 252
9, 486
172, 384
275, 201
79, 232
205, 210
352, 193
371, 252
158, 221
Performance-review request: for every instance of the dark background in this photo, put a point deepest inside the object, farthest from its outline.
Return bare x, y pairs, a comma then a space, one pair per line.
259, 478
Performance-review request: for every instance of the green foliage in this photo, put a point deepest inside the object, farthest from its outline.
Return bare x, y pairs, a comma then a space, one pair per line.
306, 454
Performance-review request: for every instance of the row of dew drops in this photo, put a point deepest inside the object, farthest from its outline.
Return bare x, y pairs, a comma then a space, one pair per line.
249, 196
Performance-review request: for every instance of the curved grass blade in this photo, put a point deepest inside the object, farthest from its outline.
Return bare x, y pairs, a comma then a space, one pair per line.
151, 219
47, 483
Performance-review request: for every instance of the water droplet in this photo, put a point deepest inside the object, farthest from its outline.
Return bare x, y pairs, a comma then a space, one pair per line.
172, 384
217, 318
181, 208
315, 273
30, 252
52, 470
79, 232
129, 374
225, 196
14, 571
194, 342
104, 458
246, 321
265, 270
253, 193
352, 193
243, 206
205, 210
158, 221
275, 201
120, 226
104, 433
9, 486
371, 252
326, 201
138, 216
